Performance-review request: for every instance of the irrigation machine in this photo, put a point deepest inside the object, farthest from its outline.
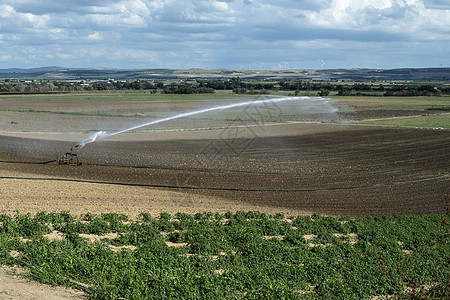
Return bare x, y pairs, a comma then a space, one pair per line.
70, 158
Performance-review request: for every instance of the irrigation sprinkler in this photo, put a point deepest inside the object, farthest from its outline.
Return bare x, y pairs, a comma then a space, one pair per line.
69, 158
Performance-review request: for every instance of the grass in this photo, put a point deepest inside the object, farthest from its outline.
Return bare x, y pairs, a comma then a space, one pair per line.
242, 255
395, 103
344, 104
359, 103
66, 113
127, 97
433, 121
247, 113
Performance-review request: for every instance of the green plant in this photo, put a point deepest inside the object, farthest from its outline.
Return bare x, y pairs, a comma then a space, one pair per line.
250, 255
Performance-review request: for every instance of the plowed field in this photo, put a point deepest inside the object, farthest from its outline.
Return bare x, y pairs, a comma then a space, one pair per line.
327, 163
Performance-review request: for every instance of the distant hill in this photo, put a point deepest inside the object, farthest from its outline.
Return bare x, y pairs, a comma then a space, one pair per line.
19, 70
414, 74
59, 73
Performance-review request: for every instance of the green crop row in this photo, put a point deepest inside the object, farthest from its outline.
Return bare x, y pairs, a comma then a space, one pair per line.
433, 121
242, 255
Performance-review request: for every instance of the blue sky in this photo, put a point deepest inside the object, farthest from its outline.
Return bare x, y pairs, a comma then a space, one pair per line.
226, 34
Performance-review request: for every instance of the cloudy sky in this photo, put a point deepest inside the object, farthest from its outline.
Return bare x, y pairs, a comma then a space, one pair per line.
225, 34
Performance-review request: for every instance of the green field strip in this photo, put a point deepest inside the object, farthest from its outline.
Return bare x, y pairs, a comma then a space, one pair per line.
241, 255
430, 121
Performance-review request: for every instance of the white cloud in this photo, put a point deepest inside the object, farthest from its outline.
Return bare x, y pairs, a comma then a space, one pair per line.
218, 33
95, 36
7, 11
57, 33
195, 11
9, 18
402, 17
437, 4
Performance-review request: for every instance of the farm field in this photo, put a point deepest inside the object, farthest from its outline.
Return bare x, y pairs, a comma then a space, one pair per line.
242, 255
287, 159
433, 121
396, 103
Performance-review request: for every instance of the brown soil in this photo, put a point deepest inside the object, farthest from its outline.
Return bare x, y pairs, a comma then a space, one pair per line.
13, 286
301, 156
220, 154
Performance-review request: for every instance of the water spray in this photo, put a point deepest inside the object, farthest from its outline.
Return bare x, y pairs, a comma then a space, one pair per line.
103, 134
70, 157
91, 139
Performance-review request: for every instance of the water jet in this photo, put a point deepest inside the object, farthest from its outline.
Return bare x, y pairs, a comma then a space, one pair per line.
104, 134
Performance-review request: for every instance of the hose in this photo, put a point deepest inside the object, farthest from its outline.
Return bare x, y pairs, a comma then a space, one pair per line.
28, 162
223, 188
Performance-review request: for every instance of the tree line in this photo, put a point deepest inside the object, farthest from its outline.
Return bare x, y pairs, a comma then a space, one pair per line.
236, 85
365, 89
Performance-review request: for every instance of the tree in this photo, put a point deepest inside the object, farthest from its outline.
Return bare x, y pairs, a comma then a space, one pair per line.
5, 88
324, 92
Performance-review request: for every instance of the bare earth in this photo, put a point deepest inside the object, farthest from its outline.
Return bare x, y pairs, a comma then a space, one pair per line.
228, 157
14, 286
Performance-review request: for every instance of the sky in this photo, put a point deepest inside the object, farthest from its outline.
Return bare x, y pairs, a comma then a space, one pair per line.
225, 34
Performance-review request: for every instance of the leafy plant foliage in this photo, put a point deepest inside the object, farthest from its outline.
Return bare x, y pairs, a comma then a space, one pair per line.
233, 255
